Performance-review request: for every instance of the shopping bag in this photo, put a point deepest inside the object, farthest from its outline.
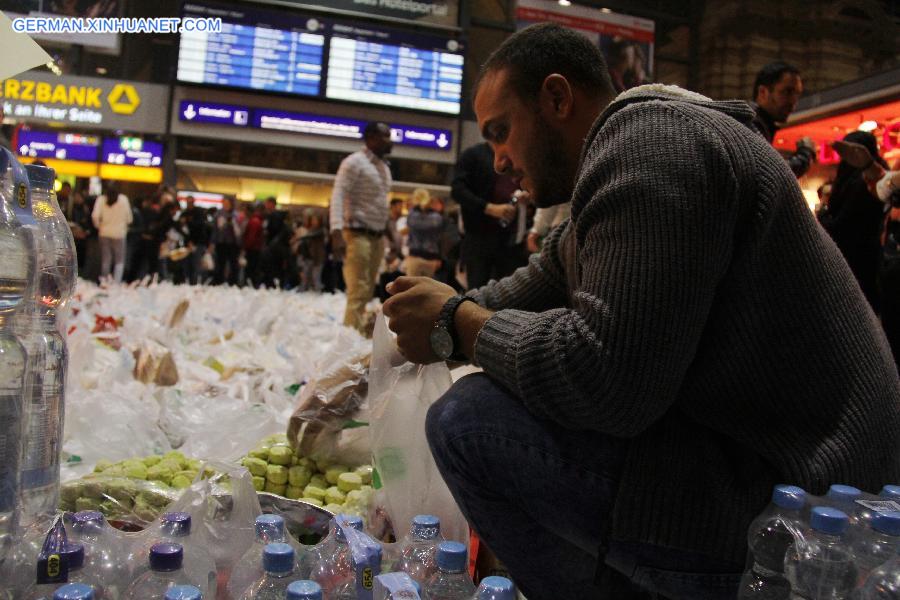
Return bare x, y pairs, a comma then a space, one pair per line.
400, 394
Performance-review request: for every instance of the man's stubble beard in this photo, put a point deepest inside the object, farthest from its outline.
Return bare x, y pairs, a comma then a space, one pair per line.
552, 174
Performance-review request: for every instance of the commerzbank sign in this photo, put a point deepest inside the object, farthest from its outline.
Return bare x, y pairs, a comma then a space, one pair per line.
86, 101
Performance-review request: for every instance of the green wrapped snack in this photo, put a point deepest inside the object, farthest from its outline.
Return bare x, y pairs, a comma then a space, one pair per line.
333, 472
149, 461
261, 453
111, 508
322, 464
318, 481
93, 489
189, 473
145, 512
102, 465
71, 491
122, 490
256, 466
365, 473
259, 483
87, 504
334, 509
136, 471
171, 464
276, 438
179, 482
175, 456
333, 495
275, 488
299, 476
67, 505
160, 472
349, 481
295, 460
152, 498
305, 462
293, 492
194, 465
276, 474
312, 491
280, 455
115, 471
314, 501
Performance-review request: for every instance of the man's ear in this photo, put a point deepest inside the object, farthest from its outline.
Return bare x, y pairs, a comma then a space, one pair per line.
556, 97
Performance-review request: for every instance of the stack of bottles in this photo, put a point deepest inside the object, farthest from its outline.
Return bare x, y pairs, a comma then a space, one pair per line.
841, 546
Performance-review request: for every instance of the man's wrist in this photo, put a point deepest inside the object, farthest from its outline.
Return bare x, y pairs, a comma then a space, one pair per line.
470, 317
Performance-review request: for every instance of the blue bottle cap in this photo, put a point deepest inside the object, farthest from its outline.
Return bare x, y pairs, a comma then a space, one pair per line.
351, 520
888, 523
278, 558
304, 590
166, 557
426, 527
496, 588
843, 493
75, 554
789, 497
40, 176
451, 556
183, 592
176, 524
890, 491
828, 520
74, 591
88, 516
269, 527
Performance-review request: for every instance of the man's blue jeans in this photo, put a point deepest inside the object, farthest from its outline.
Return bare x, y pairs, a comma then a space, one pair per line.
540, 497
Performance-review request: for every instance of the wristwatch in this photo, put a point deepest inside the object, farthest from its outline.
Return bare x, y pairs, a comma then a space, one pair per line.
443, 338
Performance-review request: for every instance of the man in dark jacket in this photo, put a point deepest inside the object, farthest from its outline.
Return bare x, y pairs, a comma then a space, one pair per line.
489, 249
687, 340
777, 89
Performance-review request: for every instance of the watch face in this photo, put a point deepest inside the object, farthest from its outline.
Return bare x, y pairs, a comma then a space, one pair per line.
441, 343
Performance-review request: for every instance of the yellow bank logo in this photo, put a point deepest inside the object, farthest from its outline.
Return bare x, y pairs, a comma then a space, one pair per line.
123, 99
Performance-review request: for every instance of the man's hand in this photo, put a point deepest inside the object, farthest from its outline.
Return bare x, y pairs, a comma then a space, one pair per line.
855, 155
531, 242
503, 212
413, 309
338, 246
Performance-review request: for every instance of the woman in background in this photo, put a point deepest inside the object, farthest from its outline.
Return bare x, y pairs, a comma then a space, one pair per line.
426, 225
112, 216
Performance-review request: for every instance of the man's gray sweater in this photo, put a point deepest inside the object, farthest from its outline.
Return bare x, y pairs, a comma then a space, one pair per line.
693, 307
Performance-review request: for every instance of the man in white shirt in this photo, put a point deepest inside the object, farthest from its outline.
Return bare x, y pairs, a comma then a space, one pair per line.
359, 215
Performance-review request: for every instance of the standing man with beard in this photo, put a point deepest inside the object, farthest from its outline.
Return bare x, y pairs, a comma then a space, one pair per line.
687, 340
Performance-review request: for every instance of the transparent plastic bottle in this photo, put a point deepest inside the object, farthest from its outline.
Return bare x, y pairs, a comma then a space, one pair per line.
74, 557
820, 567
770, 535
175, 527
418, 548
102, 552
495, 588
166, 571
330, 562
280, 569
269, 529
303, 590
881, 543
844, 497
74, 591
890, 492
882, 584
183, 592
16, 274
451, 581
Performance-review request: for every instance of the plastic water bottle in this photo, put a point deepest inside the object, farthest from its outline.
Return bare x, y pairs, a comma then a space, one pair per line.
882, 584
769, 538
279, 566
890, 492
73, 554
417, 550
304, 590
74, 591
396, 586
844, 497
102, 551
269, 529
198, 563
183, 592
45, 347
451, 581
495, 588
820, 567
881, 543
16, 274
166, 571
330, 563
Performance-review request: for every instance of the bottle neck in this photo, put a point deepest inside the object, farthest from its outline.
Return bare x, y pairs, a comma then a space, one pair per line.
279, 574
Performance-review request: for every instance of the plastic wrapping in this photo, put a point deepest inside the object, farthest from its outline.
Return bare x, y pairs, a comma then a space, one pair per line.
400, 394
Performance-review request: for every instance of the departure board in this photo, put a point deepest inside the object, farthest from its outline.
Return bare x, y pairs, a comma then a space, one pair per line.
295, 53
255, 50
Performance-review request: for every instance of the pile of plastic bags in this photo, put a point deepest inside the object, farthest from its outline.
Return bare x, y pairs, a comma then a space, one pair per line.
205, 370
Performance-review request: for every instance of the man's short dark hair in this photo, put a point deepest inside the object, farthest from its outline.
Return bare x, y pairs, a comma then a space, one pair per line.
396, 201
374, 128
537, 51
771, 74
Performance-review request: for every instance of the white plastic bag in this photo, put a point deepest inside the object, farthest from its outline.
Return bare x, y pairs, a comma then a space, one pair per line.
400, 394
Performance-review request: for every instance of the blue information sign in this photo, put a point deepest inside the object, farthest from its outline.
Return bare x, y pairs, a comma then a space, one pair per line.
132, 151
61, 146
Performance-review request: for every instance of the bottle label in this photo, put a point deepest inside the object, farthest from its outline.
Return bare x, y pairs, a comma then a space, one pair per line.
881, 506
366, 556
21, 203
395, 586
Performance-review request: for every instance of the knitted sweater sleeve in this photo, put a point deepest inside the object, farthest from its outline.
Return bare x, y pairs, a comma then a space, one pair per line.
654, 214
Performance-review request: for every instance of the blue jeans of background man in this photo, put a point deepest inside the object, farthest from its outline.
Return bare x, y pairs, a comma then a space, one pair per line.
540, 497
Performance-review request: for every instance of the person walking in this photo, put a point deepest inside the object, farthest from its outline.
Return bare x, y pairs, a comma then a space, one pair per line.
112, 216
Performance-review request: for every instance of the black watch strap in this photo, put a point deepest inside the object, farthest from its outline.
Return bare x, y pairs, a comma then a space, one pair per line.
446, 320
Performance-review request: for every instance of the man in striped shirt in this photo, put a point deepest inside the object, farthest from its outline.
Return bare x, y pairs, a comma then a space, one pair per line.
359, 215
